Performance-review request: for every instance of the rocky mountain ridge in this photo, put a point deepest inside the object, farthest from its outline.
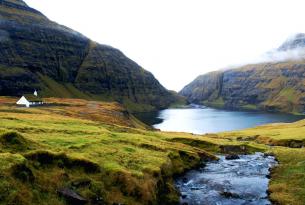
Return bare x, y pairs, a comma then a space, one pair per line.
37, 53
273, 86
296, 41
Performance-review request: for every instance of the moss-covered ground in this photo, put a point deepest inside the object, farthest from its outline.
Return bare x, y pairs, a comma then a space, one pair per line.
103, 153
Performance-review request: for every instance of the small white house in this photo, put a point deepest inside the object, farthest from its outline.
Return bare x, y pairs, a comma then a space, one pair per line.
30, 100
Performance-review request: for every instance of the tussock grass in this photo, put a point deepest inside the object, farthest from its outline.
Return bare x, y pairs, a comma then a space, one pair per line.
288, 178
14, 142
278, 134
62, 160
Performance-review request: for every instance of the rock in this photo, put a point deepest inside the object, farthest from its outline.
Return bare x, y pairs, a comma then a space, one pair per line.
195, 188
269, 154
229, 194
71, 196
185, 180
268, 176
232, 149
232, 157
268, 192
97, 200
247, 138
295, 144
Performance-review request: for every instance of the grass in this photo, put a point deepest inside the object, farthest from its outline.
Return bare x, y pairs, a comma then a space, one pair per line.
289, 94
62, 90
278, 134
218, 103
11, 71
288, 179
51, 87
69, 134
249, 107
288, 100
101, 151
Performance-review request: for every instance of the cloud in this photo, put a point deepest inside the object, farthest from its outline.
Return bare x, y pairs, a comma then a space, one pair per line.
279, 55
291, 50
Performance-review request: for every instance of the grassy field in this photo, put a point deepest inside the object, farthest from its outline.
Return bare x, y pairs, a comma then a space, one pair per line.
277, 134
107, 156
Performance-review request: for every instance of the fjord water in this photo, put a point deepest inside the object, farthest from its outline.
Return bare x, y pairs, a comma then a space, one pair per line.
209, 120
228, 182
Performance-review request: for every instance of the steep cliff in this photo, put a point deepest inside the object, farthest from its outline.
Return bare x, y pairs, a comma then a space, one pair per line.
277, 86
37, 53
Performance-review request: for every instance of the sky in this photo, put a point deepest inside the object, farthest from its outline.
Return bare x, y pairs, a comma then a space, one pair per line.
177, 40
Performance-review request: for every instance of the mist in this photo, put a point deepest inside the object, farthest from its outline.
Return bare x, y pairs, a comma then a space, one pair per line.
293, 49
279, 56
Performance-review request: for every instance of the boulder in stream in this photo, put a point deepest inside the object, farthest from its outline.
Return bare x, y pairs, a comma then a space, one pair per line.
229, 194
232, 157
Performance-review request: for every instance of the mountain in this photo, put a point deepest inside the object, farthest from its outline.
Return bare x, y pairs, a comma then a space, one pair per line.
271, 86
37, 53
297, 41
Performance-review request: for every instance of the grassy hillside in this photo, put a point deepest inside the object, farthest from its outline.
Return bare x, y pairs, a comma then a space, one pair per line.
59, 62
44, 149
275, 87
104, 154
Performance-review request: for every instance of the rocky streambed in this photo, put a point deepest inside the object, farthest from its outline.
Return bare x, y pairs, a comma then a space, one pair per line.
231, 181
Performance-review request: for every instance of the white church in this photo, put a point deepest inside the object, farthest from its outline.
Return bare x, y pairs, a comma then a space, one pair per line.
30, 100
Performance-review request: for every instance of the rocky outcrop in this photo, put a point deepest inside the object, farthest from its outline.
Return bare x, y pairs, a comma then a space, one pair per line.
37, 53
278, 86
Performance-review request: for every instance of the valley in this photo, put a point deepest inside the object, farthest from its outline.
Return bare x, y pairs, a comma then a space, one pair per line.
117, 159
76, 136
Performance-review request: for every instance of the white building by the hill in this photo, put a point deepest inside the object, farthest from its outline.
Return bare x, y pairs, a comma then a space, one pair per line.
30, 100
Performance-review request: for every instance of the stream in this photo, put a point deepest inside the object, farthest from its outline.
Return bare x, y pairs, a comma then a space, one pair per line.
240, 181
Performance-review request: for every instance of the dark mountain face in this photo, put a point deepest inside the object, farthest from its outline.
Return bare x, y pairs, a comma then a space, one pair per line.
37, 53
278, 86
297, 41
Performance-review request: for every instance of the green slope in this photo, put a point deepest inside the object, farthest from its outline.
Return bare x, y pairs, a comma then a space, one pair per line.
269, 86
37, 53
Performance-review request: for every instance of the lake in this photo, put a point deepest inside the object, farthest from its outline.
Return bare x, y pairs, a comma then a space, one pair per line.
199, 120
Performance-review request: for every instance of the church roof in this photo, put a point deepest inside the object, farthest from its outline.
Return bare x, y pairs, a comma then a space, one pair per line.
33, 98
